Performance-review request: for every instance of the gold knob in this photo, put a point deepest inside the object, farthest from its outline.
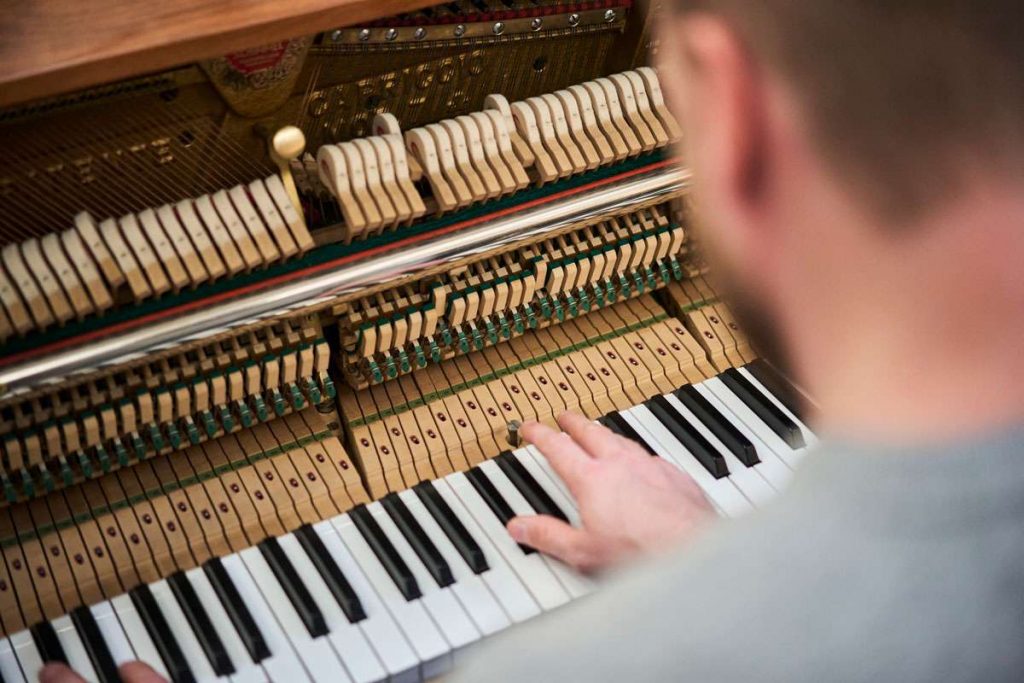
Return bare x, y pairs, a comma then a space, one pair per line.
286, 145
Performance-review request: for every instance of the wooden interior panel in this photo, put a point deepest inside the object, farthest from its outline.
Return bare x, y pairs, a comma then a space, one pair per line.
50, 47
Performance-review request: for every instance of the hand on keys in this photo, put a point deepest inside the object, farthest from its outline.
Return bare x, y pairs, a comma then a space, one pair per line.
131, 672
630, 503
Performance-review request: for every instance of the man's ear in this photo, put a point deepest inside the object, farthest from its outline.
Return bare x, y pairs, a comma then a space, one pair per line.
719, 95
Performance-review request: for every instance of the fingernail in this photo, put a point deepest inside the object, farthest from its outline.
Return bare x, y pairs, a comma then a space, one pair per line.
140, 672
525, 427
517, 529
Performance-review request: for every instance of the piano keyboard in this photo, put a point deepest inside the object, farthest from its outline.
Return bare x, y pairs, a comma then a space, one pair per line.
396, 589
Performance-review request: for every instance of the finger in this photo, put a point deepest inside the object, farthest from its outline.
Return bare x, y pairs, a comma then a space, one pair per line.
595, 439
569, 461
553, 537
139, 672
58, 673
688, 484
632, 447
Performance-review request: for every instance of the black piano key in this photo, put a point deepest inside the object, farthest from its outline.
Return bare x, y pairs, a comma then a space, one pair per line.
761, 405
724, 430
160, 633
779, 386
393, 563
49, 646
293, 587
623, 428
452, 527
686, 434
331, 573
424, 548
201, 625
608, 424
494, 500
237, 610
532, 491
92, 639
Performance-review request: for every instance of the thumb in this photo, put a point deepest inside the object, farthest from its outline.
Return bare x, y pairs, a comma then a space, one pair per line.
55, 672
553, 537
139, 672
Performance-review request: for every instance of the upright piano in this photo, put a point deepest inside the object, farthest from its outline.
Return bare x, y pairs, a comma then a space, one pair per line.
274, 280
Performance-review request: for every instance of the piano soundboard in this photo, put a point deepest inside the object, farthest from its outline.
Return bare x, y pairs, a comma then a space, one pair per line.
263, 332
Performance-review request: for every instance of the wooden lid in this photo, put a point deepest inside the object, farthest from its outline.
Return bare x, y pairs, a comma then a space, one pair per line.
49, 47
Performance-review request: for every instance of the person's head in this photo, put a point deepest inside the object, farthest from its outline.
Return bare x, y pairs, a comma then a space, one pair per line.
839, 148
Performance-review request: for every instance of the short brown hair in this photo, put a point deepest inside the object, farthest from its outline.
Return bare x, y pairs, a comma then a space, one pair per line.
903, 95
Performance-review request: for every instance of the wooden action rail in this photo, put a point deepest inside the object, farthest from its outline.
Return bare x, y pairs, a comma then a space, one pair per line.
484, 155
489, 301
93, 266
452, 415
162, 515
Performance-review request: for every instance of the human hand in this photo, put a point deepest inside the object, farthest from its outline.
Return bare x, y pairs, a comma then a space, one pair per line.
629, 502
130, 672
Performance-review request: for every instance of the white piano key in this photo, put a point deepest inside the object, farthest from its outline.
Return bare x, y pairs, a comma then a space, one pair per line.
283, 663
567, 504
428, 643
28, 656
809, 438
182, 630
246, 671
575, 583
543, 463
137, 634
721, 491
348, 641
74, 649
448, 614
113, 634
513, 595
387, 639
471, 591
10, 670
745, 416
722, 494
531, 569
316, 654
747, 479
771, 467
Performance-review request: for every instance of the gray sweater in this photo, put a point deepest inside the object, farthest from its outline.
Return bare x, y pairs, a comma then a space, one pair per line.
879, 564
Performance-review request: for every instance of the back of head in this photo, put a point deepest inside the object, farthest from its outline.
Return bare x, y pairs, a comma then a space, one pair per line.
861, 173
905, 96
